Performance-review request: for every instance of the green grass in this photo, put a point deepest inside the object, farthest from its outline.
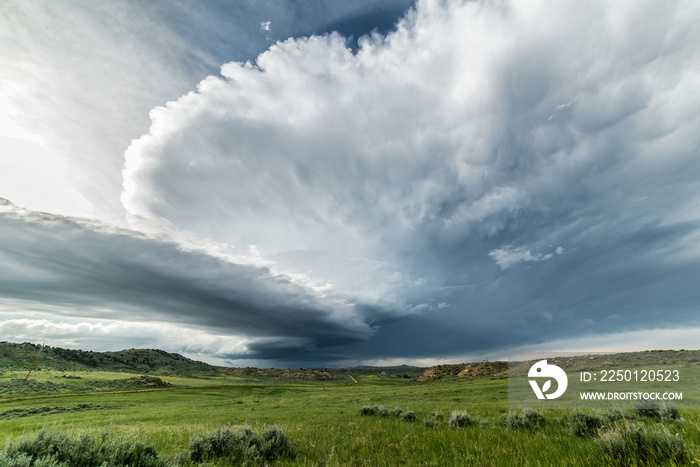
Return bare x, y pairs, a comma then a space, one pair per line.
323, 421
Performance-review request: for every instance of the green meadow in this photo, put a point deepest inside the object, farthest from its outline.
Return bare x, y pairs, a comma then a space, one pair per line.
324, 424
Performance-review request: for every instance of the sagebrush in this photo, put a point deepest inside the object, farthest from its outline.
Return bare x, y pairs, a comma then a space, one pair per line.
55, 449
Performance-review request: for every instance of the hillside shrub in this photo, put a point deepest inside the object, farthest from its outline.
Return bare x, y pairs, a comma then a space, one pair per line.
408, 416
241, 445
54, 449
459, 419
428, 422
397, 411
437, 415
526, 419
632, 444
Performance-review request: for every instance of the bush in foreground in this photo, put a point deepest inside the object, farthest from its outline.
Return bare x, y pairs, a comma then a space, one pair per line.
241, 445
586, 425
525, 419
636, 444
459, 419
54, 449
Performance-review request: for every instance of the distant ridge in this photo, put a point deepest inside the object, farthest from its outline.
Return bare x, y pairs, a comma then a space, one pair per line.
465, 370
499, 369
161, 363
148, 361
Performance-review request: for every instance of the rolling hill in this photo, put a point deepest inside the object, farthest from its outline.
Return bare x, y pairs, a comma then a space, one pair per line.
144, 361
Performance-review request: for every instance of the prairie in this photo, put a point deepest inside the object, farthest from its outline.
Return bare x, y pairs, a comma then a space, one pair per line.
324, 423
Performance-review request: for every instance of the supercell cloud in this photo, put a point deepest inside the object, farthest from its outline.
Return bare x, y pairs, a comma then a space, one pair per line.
488, 175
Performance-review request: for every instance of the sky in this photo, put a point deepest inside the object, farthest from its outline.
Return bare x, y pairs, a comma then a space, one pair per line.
276, 183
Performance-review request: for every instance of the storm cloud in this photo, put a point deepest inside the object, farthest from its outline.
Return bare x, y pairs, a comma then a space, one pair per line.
90, 270
519, 171
487, 175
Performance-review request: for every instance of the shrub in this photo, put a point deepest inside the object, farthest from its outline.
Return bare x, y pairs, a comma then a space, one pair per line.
428, 422
224, 442
53, 449
616, 415
437, 415
241, 445
636, 444
459, 419
585, 425
132, 453
656, 410
408, 416
397, 411
368, 410
526, 419
373, 410
274, 444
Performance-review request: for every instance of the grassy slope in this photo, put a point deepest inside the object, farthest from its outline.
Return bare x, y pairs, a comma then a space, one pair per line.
19, 357
324, 424
322, 419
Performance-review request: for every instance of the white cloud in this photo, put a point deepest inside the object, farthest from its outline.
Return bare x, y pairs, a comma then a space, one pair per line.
117, 335
433, 127
426, 151
83, 76
508, 256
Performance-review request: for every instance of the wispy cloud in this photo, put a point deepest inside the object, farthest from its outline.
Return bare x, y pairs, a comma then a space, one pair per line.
508, 256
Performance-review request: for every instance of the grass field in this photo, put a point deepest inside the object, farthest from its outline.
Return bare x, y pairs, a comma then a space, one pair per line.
323, 422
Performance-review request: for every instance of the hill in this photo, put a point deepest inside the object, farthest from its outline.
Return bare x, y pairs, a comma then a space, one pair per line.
143, 361
158, 362
501, 369
465, 371
401, 371
592, 362
275, 373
